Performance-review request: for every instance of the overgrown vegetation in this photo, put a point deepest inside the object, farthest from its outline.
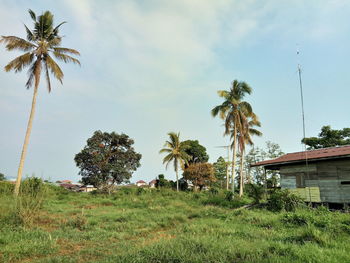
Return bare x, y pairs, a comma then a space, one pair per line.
162, 225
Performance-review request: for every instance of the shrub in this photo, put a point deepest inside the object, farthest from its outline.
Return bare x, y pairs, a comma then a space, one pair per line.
140, 191
214, 191
283, 200
229, 196
297, 219
256, 192
6, 188
30, 199
79, 221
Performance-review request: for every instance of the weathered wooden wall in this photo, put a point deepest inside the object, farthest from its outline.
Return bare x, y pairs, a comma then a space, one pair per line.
329, 176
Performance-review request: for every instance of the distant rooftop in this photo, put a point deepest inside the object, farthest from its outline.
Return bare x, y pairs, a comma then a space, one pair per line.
324, 153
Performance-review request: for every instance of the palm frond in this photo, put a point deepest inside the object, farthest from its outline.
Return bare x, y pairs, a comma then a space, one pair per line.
30, 35
47, 75
13, 43
34, 73
32, 14
66, 58
54, 68
66, 50
20, 62
165, 150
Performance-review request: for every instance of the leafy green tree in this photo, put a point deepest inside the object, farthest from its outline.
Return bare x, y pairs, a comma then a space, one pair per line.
42, 42
162, 182
107, 159
220, 171
256, 154
197, 152
176, 153
233, 110
200, 174
328, 138
2, 177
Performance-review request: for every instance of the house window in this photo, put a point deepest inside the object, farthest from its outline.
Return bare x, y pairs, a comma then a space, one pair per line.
345, 182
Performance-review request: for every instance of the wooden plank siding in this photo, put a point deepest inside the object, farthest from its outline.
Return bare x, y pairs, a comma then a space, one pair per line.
331, 178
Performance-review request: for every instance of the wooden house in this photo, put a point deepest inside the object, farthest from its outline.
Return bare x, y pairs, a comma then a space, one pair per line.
320, 176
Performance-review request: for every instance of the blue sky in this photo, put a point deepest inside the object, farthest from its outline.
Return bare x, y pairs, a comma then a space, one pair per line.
150, 67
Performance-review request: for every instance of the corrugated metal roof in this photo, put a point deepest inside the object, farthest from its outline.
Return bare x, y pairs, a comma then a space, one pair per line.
331, 152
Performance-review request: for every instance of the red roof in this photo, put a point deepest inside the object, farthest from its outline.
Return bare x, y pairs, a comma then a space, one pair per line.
325, 153
140, 182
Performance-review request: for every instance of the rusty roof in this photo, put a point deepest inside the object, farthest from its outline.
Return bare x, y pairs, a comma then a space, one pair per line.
324, 153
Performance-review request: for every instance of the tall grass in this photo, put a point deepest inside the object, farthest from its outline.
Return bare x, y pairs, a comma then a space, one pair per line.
165, 226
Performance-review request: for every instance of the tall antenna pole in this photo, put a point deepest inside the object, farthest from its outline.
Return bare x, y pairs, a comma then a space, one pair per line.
303, 118
301, 97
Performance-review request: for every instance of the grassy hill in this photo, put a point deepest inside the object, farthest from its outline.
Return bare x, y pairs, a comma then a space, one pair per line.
165, 226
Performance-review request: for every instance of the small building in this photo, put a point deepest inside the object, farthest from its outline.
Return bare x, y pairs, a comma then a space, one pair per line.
153, 183
87, 188
71, 187
320, 176
64, 182
141, 183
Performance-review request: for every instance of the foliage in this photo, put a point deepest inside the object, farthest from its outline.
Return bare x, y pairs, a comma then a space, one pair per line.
42, 43
256, 192
229, 196
197, 151
107, 159
283, 200
256, 154
162, 182
220, 167
328, 138
234, 111
200, 174
176, 153
6, 188
30, 200
2, 177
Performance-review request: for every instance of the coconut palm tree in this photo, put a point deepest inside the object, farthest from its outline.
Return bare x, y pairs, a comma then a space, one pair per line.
232, 111
247, 130
175, 153
42, 43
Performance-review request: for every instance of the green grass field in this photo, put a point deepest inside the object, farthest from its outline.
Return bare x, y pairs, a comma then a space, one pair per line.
165, 226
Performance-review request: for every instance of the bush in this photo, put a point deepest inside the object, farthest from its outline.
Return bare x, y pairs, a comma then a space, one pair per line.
30, 199
256, 192
79, 221
6, 188
140, 191
283, 200
229, 196
297, 219
214, 191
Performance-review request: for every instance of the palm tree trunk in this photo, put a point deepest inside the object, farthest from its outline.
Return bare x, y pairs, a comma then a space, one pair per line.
177, 179
227, 169
241, 174
227, 176
234, 159
26, 141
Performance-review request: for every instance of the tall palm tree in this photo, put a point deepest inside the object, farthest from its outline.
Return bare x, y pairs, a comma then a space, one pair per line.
247, 130
42, 42
175, 153
232, 111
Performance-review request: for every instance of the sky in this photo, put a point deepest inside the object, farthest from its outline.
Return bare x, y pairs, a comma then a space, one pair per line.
151, 67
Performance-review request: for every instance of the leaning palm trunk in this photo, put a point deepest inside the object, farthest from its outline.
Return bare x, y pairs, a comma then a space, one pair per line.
241, 184
177, 180
26, 140
227, 177
234, 159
